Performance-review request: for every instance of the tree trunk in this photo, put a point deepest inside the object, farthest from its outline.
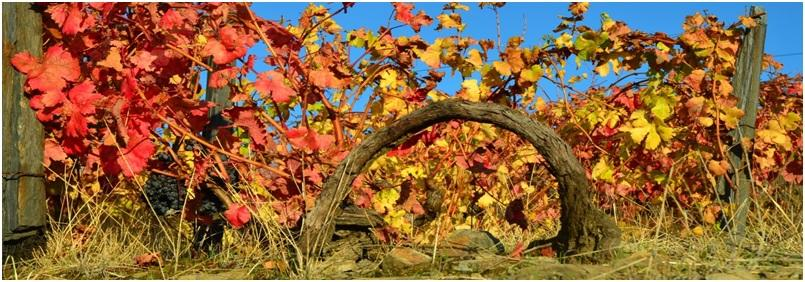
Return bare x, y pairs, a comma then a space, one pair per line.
585, 229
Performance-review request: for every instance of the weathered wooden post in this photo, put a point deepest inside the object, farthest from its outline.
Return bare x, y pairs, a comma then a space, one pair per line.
24, 209
746, 85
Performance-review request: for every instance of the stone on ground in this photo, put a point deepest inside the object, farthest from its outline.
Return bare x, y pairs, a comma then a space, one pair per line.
466, 242
402, 260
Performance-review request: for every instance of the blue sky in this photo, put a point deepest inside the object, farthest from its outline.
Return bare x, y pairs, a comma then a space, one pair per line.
784, 32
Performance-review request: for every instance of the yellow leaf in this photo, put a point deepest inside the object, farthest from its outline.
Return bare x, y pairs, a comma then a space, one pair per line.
393, 104
640, 129
474, 57
471, 90
502, 67
526, 187
791, 121
775, 134
524, 155
540, 104
603, 69
441, 143
731, 116
431, 55
533, 74
385, 200
565, 40
388, 79
503, 174
450, 21
486, 201
175, 79
747, 21
698, 231
397, 220
705, 121
112, 61
436, 96
602, 171
661, 109
413, 172
201, 40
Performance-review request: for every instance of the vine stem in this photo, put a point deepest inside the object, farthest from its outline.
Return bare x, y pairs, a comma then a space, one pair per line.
194, 59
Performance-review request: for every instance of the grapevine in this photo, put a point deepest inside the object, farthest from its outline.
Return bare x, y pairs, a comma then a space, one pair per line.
119, 92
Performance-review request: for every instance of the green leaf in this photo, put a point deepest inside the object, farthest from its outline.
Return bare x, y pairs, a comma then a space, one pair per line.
602, 171
589, 42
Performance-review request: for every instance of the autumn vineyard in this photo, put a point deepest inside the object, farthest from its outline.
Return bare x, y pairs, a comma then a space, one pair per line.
180, 140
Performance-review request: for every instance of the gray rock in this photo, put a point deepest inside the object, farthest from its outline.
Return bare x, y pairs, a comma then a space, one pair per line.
402, 260
467, 242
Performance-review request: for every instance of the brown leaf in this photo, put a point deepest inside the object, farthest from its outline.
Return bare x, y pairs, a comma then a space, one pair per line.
148, 259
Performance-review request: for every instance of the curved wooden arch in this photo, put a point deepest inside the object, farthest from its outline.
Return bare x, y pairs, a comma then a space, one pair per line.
584, 228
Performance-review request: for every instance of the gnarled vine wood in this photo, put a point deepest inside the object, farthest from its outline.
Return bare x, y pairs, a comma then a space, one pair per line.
585, 230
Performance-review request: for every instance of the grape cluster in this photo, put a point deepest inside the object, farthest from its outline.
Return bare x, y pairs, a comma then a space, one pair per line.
210, 204
165, 193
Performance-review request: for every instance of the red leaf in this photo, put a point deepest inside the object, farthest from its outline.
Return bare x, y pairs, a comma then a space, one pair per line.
51, 99
143, 60
81, 102
24, 62
237, 215
417, 96
271, 82
170, 19
249, 65
52, 73
221, 78
547, 252
403, 11
245, 117
628, 99
74, 146
130, 160
406, 147
404, 15
53, 152
517, 252
229, 46
306, 139
70, 17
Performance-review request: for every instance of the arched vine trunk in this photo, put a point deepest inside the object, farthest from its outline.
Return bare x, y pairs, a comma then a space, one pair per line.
585, 228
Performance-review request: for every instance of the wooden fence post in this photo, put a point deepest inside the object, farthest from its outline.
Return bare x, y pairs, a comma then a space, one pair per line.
24, 209
746, 84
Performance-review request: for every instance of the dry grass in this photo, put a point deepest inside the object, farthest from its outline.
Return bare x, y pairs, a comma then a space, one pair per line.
95, 244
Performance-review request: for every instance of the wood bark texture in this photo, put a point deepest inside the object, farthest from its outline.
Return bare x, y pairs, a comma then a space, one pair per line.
587, 232
23, 136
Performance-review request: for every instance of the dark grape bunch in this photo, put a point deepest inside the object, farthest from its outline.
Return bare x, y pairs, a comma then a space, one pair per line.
165, 193
210, 204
